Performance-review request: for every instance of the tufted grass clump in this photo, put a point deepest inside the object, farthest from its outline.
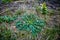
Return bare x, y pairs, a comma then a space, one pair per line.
6, 34
50, 34
7, 19
30, 23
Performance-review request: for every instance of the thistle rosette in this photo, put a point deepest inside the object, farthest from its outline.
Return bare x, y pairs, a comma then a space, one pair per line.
30, 23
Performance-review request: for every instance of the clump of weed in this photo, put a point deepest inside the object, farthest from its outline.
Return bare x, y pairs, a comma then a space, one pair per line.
7, 19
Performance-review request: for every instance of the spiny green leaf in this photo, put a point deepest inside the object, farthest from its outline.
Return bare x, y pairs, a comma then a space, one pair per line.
31, 23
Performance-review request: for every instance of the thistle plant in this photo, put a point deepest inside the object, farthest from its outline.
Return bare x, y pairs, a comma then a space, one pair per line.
30, 23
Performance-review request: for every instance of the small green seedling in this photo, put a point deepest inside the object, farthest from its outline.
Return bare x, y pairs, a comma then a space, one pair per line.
44, 9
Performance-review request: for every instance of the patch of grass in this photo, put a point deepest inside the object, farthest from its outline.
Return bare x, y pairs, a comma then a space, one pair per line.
6, 34
19, 12
50, 34
30, 23
51, 12
38, 9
